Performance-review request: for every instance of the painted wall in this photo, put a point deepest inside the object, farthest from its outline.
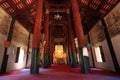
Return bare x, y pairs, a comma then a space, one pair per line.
4, 27
97, 37
19, 39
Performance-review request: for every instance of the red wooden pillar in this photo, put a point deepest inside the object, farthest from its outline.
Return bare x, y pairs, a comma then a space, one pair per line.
69, 53
46, 52
72, 42
52, 49
78, 24
80, 36
46, 29
51, 46
36, 39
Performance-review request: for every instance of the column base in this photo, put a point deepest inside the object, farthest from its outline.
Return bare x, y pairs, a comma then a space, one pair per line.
34, 69
73, 60
49, 60
45, 60
84, 62
69, 59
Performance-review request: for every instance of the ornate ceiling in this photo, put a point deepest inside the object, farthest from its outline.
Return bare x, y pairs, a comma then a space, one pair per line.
90, 10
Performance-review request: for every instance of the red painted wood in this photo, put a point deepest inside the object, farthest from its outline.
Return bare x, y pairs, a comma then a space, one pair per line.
47, 30
71, 36
78, 24
7, 44
37, 25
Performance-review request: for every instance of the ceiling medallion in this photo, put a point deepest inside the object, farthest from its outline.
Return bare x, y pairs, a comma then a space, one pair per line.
57, 17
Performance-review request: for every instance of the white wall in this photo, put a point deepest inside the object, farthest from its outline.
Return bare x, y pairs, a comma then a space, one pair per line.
116, 45
2, 39
108, 64
19, 39
113, 24
12, 51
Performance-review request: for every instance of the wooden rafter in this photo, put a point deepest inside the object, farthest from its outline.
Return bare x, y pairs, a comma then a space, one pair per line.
92, 9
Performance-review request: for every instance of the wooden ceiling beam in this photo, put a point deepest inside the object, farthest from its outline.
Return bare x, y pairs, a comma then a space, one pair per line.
1, 2
100, 6
56, 5
14, 8
59, 10
112, 6
90, 9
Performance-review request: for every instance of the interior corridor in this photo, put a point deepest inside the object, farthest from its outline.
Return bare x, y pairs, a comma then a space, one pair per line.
59, 39
60, 72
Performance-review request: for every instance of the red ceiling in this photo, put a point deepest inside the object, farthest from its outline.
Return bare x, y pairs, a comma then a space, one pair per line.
90, 10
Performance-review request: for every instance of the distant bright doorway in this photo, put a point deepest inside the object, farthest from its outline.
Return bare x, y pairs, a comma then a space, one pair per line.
59, 56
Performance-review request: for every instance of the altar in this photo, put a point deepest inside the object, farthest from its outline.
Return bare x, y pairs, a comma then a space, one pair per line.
59, 56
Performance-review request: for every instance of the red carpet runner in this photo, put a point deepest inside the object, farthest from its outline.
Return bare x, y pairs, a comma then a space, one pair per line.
60, 72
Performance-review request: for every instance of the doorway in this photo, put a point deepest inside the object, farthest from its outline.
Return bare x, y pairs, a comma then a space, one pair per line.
59, 55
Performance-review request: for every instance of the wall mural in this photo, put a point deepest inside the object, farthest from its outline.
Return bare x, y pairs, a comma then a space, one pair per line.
5, 21
113, 24
19, 30
113, 21
97, 33
20, 34
19, 39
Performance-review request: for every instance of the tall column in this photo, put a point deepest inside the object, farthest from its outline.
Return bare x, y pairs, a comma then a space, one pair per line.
79, 34
68, 50
52, 48
46, 50
50, 44
9, 38
69, 54
28, 46
109, 42
72, 42
36, 39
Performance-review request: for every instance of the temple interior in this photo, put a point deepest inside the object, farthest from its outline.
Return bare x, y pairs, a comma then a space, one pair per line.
59, 39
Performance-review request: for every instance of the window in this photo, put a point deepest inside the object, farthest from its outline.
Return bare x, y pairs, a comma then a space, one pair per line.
21, 55
17, 55
99, 54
